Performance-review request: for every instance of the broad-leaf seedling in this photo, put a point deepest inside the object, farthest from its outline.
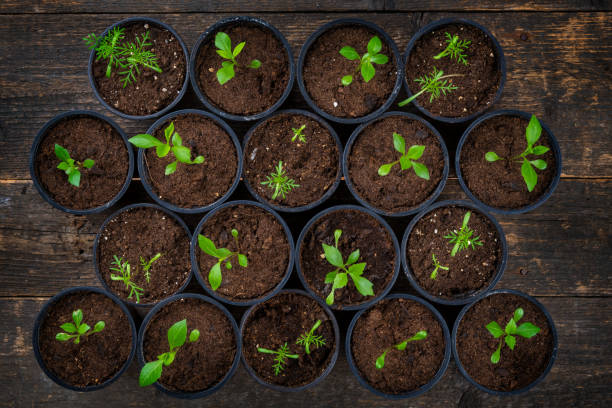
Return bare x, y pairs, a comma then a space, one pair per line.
279, 182
456, 49
223, 255
224, 49
380, 361
532, 134
297, 134
526, 330
282, 354
437, 266
463, 238
125, 276
435, 84
338, 277
308, 339
177, 335
146, 265
78, 328
365, 61
408, 158
71, 166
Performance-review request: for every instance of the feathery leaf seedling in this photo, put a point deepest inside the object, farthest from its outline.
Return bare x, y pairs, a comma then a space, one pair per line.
435, 84
297, 134
408, 158
125, 276
380, 361
223, 255
366, 61
437, 266
71, 166
526, 330
224, 49
282, 354
146, 265
77, 329
463, 238
279, 182
308, 339
456, 49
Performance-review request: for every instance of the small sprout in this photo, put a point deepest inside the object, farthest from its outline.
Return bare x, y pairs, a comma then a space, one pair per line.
297, 134
532, 134
173, 144
526, 330
407, 160
365, 62
177, 334
306, 339
279, 182
71, 166
77, 329
282, 354
223, 255
435, 85
437, 266
224, 49
456, 49
340, 279
147, 265
380, 361
463, 239
125, 276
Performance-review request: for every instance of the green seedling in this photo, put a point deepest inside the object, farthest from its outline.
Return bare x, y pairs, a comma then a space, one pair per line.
282, 354
339, 279
532, 134
125, 275
224, 49
455, 49
146, 265
71, 166
173, 144
77, 329
526, 330
463, 238
223, 255
366, 61
437, 266
297, 134
380, 361
435, 84
308, 339
279, 182
407, 160
177, 335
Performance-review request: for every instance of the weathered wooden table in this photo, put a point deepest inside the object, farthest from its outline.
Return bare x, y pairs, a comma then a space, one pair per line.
559, 56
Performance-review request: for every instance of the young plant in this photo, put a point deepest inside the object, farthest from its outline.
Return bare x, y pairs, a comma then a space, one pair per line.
279, 182
407, 159
463, 239
297, 134
365, 61
380, 361
146, 265
71, 166
173, 144
224, 49
532, 134
526, 330
223, 255
437, 266
177, 335
125, 276
77, 329
282, 354
435, 84
455, 49
308, 339
340, 279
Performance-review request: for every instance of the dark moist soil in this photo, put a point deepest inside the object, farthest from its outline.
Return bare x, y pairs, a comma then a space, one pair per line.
469, 270
194, 185
481, 77
516, 368
97, 357
313, 165
391, 322
151, 91
145, 232
261, 237
251, 91
324, 67
400, 190
84, 137
281, 320
500, 184
199, 365
359, 231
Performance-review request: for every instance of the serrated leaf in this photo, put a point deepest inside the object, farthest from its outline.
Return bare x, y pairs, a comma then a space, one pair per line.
415, 152
349, 53
69, 328
61, 153
420, 170
405, 163
510, 341
333, 256
242, 260
177, 334
495, 329
533, 131
363, 285
88, 163
170, 168
380, 59
357, 269
367, 71
150, 373
353, 257
529, 175
223, 42
214, 276
347, 79
374, 45
539, 164
492, 156
385, 169
74, 178
399, 143
527, 330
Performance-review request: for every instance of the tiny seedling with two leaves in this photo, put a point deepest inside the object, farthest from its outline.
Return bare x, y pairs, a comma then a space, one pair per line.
177, 335
455, 49
77, 329
463, 238
71, 166
279, 182
310, 339
437, 266
282, 355
435, 84
366, 61
380, 361
223, 255
407, 160
298, 135
526, 330
224, 49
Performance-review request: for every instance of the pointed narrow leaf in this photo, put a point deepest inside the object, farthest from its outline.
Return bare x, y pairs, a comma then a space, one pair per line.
223, 42
420, 170
495, 329
238, 48
510, 341
170, 168
150, 373
492, 156
144, 141
353, 257
77, 317
527, 330
168, 131
399, 143
533, 131
367, 71
363, 285
214, 276
61, 153
385, 169
177, 334
529, 175
332, 255
349, 53
374, 45
415, 152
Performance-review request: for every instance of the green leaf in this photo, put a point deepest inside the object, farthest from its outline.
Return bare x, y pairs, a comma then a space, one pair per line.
419, 336
198, 160
330, 298
194, 335
228, 265
402, 345
495, 329
405, 162
168, 131
225, 73
539, 150
529, 175
357, 269
207, 246
176, 139
255, 64
84, 328
347, 79
99, 327
162, 150
223, 252
380, 59
380, 361
167, 358
399, 143
495, 355
88, 163
69, 327
415, 152
385, 169
332, 255
367, 71
61, 153
243, 261
533, 131
237, 49
145, 141
374, 45
353, 257
329, 278
63, 166
225, 54
170, 168
340, 280
510, 327
182, 154
62, 337
492, 156
77, 317
510, 341
74, 178
420, 170
223, 42
349, 53
518, 314
214, 276
177, 334
150, 373
363, 285
527, 330
538, 164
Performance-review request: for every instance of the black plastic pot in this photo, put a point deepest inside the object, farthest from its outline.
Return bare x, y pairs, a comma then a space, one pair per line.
362, 201
195, 266
420, 390
34, 151
384, 223
555, 149
501, 61
344, 22
228, 375
144, 174
320, 378
96, 261
204, 37
92, 81
471, 297
552, 357
329, 191
43, 313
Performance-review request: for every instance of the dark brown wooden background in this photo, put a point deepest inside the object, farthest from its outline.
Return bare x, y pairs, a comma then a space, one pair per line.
558, 54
